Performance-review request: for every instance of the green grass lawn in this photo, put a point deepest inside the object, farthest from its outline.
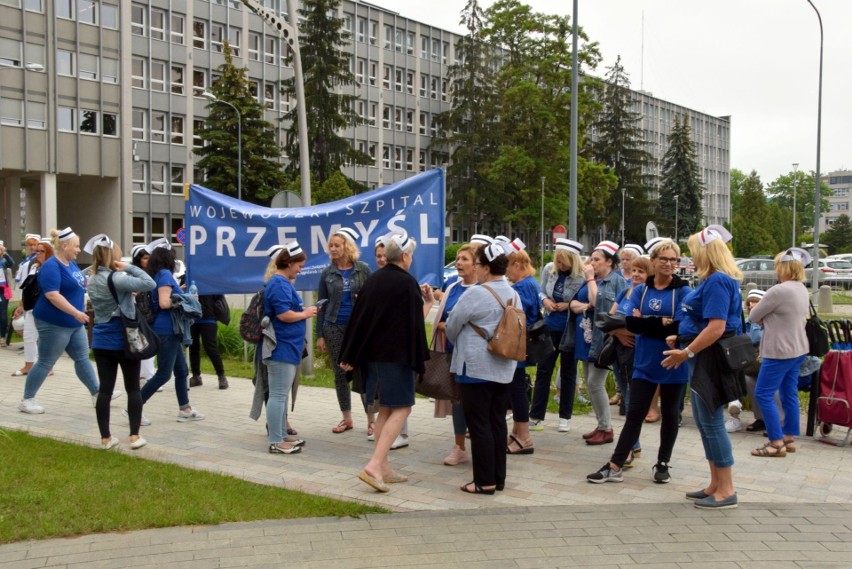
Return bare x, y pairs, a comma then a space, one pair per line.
55, 489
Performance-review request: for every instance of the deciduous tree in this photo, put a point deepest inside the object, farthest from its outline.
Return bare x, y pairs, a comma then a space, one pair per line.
751, 237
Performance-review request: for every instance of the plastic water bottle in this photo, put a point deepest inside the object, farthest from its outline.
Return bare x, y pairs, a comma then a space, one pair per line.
193, 290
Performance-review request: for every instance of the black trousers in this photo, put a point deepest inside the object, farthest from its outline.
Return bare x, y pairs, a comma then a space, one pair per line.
543, 376
206, 333
519, 395
641, 393
108, 362
485, 406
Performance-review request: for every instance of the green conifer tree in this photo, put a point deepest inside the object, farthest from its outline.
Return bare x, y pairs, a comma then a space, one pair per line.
680, 177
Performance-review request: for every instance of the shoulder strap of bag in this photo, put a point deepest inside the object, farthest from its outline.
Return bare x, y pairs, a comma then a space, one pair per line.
476, 328
114, 293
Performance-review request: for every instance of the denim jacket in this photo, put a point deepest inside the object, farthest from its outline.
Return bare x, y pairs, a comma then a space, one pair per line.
608, 289
133, 279
331, 288
185, 311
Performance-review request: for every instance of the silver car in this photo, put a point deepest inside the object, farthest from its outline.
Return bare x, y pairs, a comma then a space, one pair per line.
762, 273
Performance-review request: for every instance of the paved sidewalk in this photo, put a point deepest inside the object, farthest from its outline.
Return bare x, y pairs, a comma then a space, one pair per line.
547, 516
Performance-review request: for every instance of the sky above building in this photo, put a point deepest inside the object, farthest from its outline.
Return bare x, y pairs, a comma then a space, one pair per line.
755, 60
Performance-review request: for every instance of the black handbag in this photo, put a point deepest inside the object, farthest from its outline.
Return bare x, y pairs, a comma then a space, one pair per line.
140, 341
437, 382
539, 343
817, 333
30, 291
607, 355
738, 352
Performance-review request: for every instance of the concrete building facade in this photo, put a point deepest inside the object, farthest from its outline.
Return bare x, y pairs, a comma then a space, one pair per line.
839, 202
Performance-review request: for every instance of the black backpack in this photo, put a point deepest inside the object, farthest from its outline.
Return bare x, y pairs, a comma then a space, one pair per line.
30, 291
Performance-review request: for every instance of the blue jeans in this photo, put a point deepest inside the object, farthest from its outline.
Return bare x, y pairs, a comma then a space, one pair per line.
714, 437
781, 376
281, 376
53, 340
169, 359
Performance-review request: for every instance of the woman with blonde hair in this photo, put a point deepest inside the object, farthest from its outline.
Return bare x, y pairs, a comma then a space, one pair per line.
521, 273
111, 291
339, 285
560, 281
60, 318
782, 312
712, 310
29, 294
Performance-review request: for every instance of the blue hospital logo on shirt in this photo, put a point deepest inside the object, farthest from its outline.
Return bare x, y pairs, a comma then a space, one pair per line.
80, 278
655, 304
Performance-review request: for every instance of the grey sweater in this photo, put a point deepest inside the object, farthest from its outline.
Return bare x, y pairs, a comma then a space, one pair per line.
783, 311
133, 279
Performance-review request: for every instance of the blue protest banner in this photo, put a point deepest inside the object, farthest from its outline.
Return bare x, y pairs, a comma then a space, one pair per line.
228, 238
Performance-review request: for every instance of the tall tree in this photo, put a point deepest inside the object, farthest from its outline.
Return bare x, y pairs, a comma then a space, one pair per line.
838, 237
325, 66
800, 184
620, 145
262, 176
467, 129
737, 178
752, 238
680, 177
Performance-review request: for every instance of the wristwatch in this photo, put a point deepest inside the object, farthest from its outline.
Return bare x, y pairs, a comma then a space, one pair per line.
689, 353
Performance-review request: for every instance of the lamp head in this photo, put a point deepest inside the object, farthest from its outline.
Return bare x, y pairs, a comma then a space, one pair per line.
34, 66
210, 96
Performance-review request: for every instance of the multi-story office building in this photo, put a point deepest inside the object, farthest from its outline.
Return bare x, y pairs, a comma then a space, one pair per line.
840, 183
100, 102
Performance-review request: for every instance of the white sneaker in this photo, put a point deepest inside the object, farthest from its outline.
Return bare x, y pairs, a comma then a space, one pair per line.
191, 415
112, 442
146, 422
138, 443
30, 406
564, 427
399, 442
735, 408
733, 425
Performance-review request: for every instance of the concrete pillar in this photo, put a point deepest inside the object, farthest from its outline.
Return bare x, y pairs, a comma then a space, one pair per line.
48, 202
824, 303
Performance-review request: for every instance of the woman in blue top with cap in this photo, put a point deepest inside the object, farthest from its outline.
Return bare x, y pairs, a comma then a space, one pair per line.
288, 316
713, 309
60, 318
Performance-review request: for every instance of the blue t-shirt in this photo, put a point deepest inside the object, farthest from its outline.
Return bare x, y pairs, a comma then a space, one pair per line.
70, 282
162, 324
452, 298
556, 321
108, 335
281, 297
581, 346
718, 296
345, 310
529, 291
648, 353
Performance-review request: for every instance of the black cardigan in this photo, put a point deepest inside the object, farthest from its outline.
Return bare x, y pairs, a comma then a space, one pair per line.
387, 322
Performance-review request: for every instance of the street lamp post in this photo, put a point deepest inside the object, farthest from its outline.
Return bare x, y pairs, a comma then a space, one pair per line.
623, 192
795, 191
817, 198
677, 203
214, 99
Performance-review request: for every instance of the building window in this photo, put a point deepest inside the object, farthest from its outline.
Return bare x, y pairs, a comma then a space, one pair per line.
444, 90
109, 16
397, 39
234, 36
197, 128
373, 112
388, 36
88, 66
217, 37
65, 9
198, 176
137, 70
422, 161
386, 117
87, 12
285, 101
140, 185
158, 24
158, 224
11, 112
362, 29
177, 30
445, 52
269, 51
137, 19
424, 47
397, 158
138, 235
436, 49
423, 121
398, 79
177, 186
409, 121
88, 121
158, 75
374, 31
434, 84
269, 96
386, 77
386, 157
109, 70
110, 124
10, 52
424, 81
177, 130
199, 81
199, 34
158, 126
158, 178
36, 115
374, 66
33, 6
371, 150
66, 119
409, 82
409, 43
254, 90
409, 159
360, 71
397, 119
177, 79
66, 63
254, 46
140, 131
433, 126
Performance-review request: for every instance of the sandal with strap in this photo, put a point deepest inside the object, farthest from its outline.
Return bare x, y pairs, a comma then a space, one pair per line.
522, 449
342, 427
477, 489
780, 451
790, 445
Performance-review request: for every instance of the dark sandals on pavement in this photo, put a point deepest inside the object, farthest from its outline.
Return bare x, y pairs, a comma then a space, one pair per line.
521, 447
778, 451
477, 489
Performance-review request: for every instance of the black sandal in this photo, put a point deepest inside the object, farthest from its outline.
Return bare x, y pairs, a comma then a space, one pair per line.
521, 448
477, 489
